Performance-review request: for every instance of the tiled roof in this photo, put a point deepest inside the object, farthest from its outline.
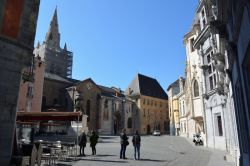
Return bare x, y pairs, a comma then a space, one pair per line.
146, 86
55, 77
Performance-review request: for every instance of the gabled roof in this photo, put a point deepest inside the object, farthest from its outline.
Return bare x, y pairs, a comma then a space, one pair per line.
110, 92
56, 77
147, 86
176, 83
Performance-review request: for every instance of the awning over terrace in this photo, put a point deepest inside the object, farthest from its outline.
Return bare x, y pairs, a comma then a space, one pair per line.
43, 116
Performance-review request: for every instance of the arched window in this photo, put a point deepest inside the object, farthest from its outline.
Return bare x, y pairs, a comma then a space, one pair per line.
106, 104
88, 109
196, 89
129, 123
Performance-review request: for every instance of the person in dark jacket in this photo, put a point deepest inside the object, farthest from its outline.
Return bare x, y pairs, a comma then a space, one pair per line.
124, 144
93, 141
136, 143
82, 143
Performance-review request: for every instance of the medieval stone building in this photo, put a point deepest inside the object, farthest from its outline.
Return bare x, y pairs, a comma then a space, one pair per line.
107, 109
58, 69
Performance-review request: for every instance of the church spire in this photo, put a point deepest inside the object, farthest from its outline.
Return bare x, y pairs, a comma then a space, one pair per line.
53, 36
65, 47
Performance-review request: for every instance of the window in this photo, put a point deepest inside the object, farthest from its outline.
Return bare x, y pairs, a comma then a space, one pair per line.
183, 108
155, 103
160, 104
218, 125
211, 71
106, 104
30, 91
148, 112
203, 20
148, 102
196, 89
144, 101
88, 110
192, 45
105, 112
144, 112
184, 127
129, 123
152, 102
52, 68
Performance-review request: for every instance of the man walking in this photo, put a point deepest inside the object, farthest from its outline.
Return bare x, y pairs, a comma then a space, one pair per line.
82, 143
136, 143
124, 144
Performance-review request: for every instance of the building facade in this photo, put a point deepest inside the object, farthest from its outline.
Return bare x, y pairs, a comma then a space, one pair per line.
18, 21
173, 101
151, 102
108, 110
193, 89
31, 92
232, 20
217, 92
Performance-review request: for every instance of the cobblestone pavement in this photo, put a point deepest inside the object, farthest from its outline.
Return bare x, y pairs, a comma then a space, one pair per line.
155, 151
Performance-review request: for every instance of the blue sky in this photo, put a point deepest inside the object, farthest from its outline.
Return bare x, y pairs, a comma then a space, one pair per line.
113, 40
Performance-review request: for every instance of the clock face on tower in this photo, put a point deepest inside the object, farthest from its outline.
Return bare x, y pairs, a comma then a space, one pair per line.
89, 85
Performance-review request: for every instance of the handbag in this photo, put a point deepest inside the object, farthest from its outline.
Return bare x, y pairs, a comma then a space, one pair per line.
126, 143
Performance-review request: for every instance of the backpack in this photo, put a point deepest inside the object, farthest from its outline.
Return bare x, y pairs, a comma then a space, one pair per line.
136, 139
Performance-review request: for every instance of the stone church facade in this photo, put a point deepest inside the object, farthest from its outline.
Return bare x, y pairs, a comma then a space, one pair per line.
107, 109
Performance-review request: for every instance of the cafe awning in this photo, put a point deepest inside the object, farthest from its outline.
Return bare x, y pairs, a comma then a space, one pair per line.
43, 116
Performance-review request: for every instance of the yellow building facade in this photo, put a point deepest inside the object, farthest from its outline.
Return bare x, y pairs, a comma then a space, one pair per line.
153, 114
152, 104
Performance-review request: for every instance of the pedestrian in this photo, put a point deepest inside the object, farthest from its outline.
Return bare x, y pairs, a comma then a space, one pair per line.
93, 141
136, 143
124, 144
82, 143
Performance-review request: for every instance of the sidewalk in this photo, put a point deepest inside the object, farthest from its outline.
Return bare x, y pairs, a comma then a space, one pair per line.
217, 157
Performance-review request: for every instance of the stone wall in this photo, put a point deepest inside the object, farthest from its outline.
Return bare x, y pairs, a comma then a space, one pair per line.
15, 53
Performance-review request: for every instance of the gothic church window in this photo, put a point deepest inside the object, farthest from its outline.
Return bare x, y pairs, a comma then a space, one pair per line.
196, 89
129, 123
88, 110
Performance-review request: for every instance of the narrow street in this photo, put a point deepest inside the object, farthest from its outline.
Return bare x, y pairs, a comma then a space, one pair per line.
155, 151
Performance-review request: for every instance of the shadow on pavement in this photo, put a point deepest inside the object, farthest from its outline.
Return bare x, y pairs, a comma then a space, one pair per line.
104, 155
60, 164
153, 160
107, 161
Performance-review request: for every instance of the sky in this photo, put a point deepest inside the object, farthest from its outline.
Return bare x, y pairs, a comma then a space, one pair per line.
113, 40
